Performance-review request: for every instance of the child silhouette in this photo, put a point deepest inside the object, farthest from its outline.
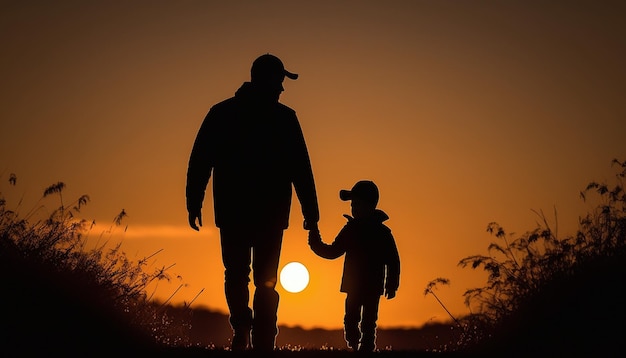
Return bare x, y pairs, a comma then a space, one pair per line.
371, 265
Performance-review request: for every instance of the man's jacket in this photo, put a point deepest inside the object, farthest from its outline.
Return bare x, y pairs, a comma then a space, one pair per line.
372, 263
256, 153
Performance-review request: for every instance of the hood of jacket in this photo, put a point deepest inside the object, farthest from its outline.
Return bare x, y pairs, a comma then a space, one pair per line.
377, 216
250, 93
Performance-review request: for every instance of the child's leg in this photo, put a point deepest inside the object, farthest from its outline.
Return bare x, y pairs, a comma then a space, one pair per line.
351, 321
368, 324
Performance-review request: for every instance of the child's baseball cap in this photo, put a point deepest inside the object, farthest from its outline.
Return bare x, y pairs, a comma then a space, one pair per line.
365, 190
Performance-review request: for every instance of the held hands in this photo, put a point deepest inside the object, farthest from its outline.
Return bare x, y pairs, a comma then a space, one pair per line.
314, 232
314, 237
309, 225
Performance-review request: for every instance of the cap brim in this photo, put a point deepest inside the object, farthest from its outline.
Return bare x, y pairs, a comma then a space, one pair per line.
290, 75
345, 195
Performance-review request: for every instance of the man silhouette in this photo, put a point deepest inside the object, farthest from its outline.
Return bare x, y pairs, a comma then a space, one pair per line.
254, 148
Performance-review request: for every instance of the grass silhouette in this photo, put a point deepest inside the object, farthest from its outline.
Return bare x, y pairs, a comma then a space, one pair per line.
545, 295
65, 298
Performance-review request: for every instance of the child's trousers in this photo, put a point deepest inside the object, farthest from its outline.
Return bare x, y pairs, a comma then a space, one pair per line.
360, 321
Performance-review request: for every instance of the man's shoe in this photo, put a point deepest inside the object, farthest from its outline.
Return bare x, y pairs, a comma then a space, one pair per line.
264, 340
367, 347
354, 345
263, 345
240, 341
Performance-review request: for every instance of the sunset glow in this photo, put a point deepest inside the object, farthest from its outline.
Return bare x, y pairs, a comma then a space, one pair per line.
462, 112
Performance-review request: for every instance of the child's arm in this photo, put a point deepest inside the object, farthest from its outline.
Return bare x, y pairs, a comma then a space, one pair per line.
392, 280
327, 251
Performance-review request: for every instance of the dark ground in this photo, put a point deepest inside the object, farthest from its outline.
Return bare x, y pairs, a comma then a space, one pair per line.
49, 315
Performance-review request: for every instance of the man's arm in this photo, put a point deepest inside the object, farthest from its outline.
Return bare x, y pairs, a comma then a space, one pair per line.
199, 173
303, 181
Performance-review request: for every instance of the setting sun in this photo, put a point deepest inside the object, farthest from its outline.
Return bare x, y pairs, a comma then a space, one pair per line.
463, 114
294, 277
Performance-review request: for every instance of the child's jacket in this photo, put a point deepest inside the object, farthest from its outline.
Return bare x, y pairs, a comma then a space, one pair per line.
372, 263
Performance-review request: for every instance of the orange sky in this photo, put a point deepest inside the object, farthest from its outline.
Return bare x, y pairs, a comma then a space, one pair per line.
463, 113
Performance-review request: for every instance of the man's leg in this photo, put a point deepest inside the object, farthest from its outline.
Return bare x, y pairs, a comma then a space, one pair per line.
266, 254
236, 251
368, 323
351, 321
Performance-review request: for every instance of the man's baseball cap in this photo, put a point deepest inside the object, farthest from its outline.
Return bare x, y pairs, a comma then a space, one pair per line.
269, 67
365, 190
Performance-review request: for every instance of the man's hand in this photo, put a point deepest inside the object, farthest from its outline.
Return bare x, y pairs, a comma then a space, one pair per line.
193, 216
309, 225
390, 294
314, 237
